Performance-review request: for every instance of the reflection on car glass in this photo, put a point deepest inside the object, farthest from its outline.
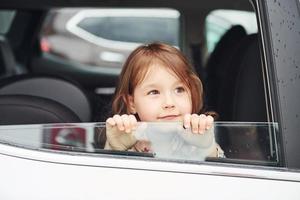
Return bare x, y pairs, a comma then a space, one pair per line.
171, 140
250, 143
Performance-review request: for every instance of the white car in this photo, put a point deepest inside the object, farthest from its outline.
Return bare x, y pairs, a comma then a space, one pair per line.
53, 108
61, 161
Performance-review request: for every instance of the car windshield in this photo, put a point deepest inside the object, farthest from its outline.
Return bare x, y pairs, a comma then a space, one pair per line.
250, 143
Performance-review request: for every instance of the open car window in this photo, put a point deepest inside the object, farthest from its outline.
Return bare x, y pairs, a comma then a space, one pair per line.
248, 143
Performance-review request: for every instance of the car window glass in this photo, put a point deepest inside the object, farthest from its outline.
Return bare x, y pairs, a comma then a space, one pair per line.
218, 22
250, 143
132, 29
106, 36
6, 18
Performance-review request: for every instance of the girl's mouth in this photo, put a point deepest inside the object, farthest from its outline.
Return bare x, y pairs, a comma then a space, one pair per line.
169, 117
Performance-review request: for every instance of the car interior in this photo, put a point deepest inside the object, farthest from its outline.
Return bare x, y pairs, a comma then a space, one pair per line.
30, 74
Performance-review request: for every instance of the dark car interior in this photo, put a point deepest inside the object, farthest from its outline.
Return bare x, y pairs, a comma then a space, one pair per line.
44, 88
224, 73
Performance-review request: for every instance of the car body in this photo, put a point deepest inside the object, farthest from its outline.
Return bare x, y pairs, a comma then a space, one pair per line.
46, 161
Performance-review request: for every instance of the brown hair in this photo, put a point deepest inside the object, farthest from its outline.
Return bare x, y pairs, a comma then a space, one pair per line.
137, 66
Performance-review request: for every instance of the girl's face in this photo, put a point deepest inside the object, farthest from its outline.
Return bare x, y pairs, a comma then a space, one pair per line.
161, 96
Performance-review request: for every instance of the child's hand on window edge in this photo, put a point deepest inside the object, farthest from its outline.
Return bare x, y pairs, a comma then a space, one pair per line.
198, 123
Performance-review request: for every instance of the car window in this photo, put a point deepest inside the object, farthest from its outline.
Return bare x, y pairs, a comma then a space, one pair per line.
73, 35
135, 29
249, 143
6, 18
106, 36
218, 22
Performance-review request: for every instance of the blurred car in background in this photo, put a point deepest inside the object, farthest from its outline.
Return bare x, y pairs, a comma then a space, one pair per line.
105, 37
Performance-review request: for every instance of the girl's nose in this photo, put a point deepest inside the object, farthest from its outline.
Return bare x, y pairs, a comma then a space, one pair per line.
168, 102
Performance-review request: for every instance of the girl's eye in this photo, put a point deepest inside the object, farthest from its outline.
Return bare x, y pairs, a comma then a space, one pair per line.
153, 92
179, 90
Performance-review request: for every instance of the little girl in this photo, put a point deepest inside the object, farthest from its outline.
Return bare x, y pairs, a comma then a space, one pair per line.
156, 84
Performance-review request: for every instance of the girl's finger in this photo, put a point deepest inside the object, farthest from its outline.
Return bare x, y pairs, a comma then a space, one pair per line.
133, 122
110, 122
126, 123
209, 122
202, 123
187, 120
119, 122
143, 146
195, 123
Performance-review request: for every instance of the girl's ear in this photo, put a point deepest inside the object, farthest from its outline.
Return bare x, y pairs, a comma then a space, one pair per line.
130, 104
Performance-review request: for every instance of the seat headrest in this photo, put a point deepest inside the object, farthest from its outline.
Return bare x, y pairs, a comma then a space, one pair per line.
230, 38
60, 90
25, 109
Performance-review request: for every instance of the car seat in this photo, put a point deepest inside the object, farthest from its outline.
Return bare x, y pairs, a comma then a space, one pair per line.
216, 67
60, 90
241, 92
243, 99
25, 109
249, 102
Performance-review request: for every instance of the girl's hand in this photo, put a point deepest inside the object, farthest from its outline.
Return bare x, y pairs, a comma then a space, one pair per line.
118, 132
206, 142
198, 123
143, 146
124, 123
